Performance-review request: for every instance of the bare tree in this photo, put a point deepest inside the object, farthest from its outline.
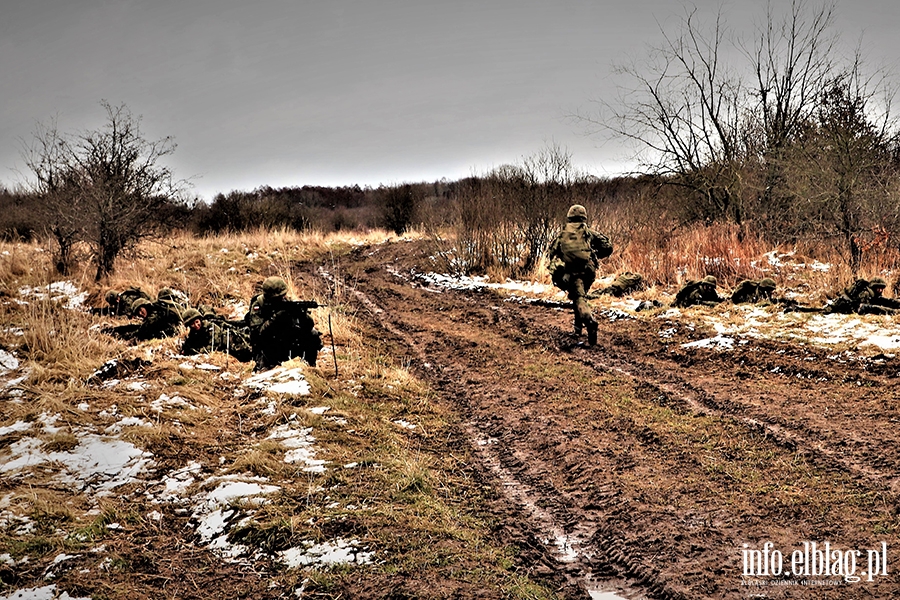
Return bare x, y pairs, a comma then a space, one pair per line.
792, 59
844, 164
107, 186
703, 122
685, 108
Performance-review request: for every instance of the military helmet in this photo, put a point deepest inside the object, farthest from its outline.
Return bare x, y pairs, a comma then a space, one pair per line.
166, 294
274, 287
710, 280
112, 297
878, 282
189, 315
767, 283
138, 304
576, 213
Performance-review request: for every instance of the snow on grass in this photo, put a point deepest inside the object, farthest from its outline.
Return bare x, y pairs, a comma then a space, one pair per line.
339, 551
299, 444
58, 291
719, 342
99, 464
42, 593
8, 362
481, 282
289, 381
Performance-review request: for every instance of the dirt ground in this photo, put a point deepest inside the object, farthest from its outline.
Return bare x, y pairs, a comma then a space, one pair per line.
651, 469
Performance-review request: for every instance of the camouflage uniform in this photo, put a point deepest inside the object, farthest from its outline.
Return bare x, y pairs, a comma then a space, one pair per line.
574, 258
753, 291
279, 329
625, 283
863, 297
162, 320
173, 299
695, 293
121, 303
207, 333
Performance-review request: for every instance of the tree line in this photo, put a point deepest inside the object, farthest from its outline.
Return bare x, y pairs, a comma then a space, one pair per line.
778, 135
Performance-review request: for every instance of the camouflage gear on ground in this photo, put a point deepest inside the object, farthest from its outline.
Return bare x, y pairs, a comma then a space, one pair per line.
574, 257
863, 298
877, 282
281, 330
625, 283
162, 320
217, 335
174, 299
698, 292
121, 303
753, 291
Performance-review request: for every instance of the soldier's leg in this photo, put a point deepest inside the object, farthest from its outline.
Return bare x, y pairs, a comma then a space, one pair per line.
583, 314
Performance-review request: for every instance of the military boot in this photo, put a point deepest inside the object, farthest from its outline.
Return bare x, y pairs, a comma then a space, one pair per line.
579, 328
592, 333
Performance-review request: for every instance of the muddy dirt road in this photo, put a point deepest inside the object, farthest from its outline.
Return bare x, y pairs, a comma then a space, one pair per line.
650, 468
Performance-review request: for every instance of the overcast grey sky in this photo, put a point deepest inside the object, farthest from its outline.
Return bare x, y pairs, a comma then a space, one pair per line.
338, 92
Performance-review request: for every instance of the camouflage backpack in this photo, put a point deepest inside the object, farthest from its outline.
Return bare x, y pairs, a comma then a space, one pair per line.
574, 244
231, 339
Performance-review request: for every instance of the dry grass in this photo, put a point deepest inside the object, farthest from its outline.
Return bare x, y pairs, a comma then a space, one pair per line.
398, 497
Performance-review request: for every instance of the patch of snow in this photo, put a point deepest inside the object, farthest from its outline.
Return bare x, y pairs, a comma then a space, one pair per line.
280, 380
15, 427
718, 342
57, 291
404, 424
165, 401
336, 552
43, 593
96, 463
8, 362
127, 422
299, 443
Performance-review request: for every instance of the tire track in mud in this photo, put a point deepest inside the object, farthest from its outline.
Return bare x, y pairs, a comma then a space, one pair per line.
570, 547
459, 341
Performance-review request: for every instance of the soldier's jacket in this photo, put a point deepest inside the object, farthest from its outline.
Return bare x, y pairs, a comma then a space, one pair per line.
693, 293
162, 320
219, 335
577, 250
748, 291
279, 331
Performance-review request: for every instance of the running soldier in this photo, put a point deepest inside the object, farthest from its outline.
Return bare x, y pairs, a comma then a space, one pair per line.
575, 255
281, 329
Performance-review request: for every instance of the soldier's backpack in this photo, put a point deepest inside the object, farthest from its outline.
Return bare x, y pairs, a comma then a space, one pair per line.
602, 247
233, 339
574, 245
746, 291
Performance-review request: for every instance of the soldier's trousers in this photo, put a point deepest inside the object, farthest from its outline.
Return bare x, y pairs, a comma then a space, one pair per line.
577, 286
